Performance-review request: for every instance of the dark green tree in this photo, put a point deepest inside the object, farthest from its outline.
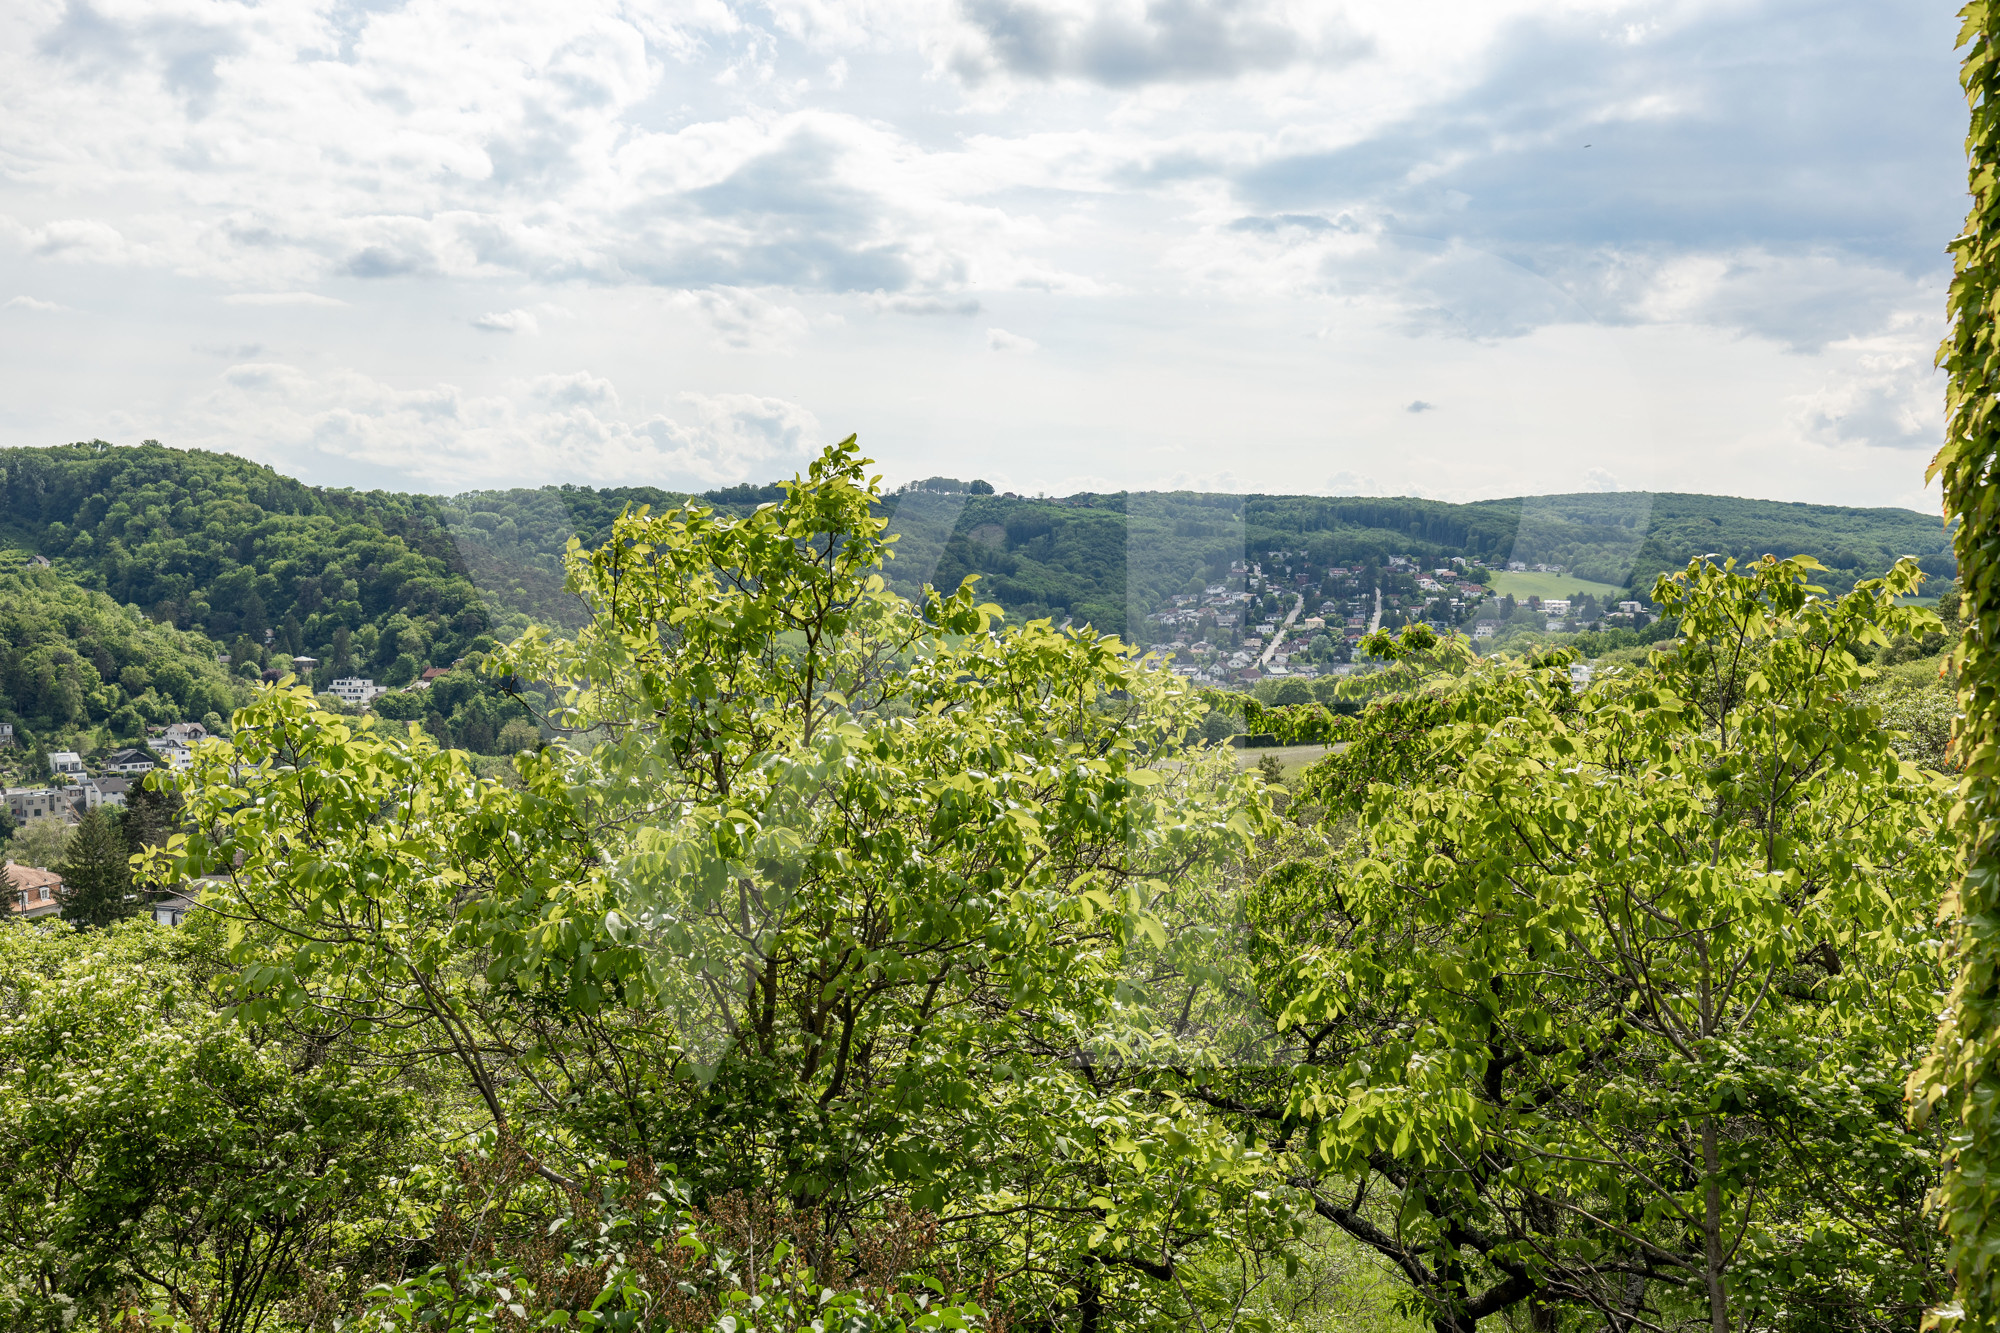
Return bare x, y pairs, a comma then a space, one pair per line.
97, 880
150, 818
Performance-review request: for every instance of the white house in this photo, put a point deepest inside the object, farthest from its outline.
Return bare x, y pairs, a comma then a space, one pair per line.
178, 754
187, 733
66, 762
111, 790
1555, 606
355, 691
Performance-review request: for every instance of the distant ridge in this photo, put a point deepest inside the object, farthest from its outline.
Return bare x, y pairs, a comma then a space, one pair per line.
223, 546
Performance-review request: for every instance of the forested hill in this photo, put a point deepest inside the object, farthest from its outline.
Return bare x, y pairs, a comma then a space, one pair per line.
228, 549
389, 583
1087, 556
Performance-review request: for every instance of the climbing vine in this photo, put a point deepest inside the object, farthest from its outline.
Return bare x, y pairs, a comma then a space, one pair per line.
1961, 1079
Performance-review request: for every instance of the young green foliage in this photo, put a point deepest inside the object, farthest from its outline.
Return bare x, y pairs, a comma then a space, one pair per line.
1962, 1077
827, 894
1607, 996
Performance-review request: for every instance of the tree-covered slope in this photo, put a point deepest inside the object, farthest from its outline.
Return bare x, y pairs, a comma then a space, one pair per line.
386, 584
1090, 557
228, 548
72, 659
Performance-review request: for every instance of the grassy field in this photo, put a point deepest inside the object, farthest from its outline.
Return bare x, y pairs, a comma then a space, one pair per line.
1546, 585
1295, 758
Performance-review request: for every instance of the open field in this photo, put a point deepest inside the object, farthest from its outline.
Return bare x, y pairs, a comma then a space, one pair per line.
1295, 758
1522, 585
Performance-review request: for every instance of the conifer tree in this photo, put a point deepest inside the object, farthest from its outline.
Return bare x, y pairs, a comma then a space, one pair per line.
150, 818
96, 876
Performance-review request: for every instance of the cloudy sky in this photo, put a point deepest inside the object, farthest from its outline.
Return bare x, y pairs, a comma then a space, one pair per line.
1456, 248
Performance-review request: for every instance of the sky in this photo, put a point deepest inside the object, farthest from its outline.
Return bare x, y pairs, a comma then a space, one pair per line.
1394, 247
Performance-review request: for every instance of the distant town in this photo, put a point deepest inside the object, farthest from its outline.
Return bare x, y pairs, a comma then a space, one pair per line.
1283, 616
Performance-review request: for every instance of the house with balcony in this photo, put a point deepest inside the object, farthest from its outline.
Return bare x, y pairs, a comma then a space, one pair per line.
130, 763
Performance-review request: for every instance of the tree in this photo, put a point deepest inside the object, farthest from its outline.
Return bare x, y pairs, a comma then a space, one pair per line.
519, 734
1603, 1000
152, 816
841, 903
164, 1159
39, 843
400, 706
97, 878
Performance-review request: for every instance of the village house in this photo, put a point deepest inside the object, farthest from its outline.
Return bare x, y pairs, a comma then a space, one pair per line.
27, 804
31, 892
112, 790
65, 763
130, 762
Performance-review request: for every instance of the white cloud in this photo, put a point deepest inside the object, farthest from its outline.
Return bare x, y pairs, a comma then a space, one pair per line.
508, 321
1885, 394
34, 303
1131, 43
281, 298
1184, 184
1352, 483
743, 321
548, 429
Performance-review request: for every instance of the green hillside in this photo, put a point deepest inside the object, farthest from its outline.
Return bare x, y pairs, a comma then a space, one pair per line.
1084, 556
385, 584
73, 661
1523, 585
227, 549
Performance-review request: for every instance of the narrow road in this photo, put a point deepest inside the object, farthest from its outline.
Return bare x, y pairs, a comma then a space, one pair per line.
1279, 637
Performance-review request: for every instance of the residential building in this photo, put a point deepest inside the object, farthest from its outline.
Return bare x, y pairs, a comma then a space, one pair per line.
31, 892
6, 735
130, 762
1555, 606
66, 763
26, 804
187, 733
83, 797
112, 790
178, 754
304, 666
355, 691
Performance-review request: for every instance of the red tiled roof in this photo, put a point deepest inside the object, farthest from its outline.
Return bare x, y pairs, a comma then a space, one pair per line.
29, 881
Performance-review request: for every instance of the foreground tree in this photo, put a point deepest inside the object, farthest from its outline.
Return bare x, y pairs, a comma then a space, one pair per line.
161, 1158
1603, 1000
832, 900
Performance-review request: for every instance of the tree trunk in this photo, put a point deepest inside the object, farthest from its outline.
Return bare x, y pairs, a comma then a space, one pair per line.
1089, 1305
1711, 1226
